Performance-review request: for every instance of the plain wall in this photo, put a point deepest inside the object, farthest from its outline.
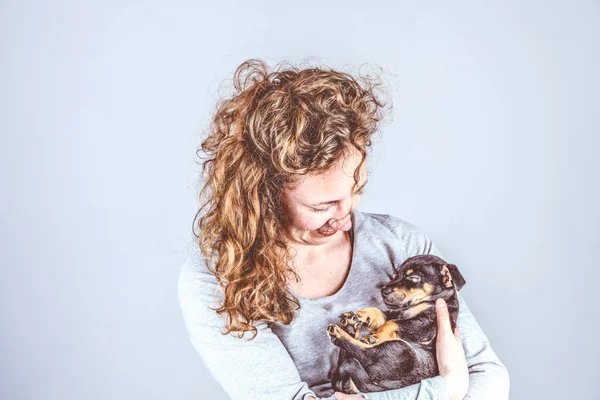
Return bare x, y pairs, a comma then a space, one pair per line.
495, 126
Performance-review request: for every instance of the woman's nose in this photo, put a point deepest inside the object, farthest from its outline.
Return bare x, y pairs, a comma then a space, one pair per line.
341, 219
343, 209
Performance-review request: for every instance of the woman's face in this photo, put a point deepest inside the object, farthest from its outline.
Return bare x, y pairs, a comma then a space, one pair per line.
319, 207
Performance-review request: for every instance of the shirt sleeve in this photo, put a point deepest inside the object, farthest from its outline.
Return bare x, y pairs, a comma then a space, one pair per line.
488, 377
260, 368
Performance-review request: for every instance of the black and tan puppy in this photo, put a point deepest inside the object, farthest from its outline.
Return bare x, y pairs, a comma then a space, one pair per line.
382, 350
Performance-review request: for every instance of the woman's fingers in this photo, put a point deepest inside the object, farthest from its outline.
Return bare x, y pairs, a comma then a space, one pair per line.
443, 318
450, 353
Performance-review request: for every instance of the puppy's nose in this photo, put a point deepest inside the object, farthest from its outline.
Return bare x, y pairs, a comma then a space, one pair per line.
386, 290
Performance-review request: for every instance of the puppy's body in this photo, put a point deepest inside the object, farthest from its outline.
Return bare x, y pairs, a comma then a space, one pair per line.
396, 348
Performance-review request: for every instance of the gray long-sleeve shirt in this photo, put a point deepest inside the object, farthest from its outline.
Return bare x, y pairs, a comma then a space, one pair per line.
297, 360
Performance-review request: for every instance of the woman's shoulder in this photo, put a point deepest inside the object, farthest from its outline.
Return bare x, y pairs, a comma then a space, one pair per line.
195, 281
375, 221
194, 263
393, 230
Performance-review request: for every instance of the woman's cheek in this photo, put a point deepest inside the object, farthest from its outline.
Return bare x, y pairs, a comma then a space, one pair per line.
316, 221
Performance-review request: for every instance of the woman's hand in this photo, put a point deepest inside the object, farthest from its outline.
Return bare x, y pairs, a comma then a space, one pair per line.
450, 354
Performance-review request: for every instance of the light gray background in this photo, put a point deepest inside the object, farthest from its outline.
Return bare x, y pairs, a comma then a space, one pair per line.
492, 150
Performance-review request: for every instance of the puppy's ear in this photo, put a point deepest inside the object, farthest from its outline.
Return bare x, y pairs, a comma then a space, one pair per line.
452, 276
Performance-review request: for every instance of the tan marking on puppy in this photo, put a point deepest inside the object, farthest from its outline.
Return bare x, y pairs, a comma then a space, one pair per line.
399, 290
411, 293
428, 288
416, 310
416, 295
387, 331
410, 271
372, 317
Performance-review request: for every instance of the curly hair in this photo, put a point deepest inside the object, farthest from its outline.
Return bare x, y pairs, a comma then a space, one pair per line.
276, 127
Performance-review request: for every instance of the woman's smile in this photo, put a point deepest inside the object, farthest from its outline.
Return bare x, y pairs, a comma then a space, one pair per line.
327, 230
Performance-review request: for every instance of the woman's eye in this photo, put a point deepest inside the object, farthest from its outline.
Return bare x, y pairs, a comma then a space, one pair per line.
322, 210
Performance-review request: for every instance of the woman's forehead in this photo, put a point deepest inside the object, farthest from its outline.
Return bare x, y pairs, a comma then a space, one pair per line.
334, 182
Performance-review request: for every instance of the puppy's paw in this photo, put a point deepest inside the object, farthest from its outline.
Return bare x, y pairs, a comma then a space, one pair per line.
364, 316
348, 318
331, 330
335, 333
351, 323
371, 339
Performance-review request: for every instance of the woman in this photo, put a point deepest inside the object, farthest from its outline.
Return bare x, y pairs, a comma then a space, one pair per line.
282, 250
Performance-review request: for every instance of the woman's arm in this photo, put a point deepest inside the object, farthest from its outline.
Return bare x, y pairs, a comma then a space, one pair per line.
488, 377
257, 369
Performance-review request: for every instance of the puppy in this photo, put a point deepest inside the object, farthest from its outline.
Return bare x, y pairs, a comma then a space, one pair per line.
383, 350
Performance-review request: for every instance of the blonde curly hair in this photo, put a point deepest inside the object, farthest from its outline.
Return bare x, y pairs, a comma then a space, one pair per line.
276, 127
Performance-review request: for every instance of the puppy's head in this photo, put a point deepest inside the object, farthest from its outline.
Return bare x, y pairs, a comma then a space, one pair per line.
419, 281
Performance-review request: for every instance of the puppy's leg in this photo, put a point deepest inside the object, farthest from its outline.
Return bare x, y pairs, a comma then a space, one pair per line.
387, 331
372, 317
366, 354
339, 337
350, 323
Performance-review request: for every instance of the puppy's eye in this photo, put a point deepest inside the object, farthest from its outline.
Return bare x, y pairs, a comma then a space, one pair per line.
414, 278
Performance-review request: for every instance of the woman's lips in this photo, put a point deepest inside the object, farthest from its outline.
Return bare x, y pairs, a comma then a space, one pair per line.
327, 230
344, 224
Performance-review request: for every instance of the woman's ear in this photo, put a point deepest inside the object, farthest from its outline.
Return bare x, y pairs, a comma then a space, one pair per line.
452, 276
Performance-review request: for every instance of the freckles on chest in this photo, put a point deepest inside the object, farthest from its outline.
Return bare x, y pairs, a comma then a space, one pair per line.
321, 276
